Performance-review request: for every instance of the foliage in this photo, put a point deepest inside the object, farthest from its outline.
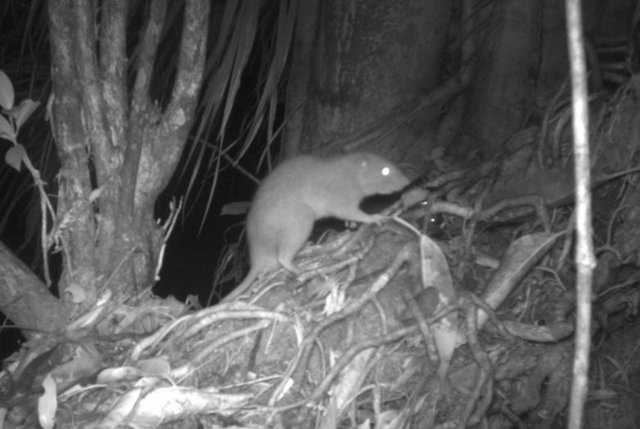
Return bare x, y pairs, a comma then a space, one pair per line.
12, 118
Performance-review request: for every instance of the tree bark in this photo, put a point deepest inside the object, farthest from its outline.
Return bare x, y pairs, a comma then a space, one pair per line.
117, 147
26, 300
370, 57
503, 90
300, 75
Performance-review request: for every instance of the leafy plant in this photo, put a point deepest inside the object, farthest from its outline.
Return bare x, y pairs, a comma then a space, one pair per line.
12, 118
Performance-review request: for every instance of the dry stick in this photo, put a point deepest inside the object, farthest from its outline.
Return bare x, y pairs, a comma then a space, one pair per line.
342, 363
167, 229
304, 351
585, 259
207, 354
484, 381
432, 353
350, 354
45, 207
552, 109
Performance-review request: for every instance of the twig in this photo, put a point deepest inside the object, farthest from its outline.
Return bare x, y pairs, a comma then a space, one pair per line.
484, 381
346, 358
299, 362
167, 228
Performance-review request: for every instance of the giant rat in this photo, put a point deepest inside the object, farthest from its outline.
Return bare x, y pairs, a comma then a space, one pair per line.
302, 190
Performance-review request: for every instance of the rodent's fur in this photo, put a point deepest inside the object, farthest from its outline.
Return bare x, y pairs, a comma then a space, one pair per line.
302, 190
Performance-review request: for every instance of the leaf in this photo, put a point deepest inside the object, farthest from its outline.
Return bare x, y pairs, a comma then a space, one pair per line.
156, 366
24, 110
413, 196
6, 91
121, 373
436, 274
235, 208
6, 130
521, 256
284, 35
14, 156
122, 409
48, 403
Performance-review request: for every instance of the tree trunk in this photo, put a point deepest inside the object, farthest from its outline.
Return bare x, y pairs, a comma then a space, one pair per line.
503, 90
299, 78
27, 302
369, 58
117, 149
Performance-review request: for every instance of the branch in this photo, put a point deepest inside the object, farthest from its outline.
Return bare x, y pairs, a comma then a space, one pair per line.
585, 259
167, 141
23, 295
142, 111
89, 86
113, 68
179, 114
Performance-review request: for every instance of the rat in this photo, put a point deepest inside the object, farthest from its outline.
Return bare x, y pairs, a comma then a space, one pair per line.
302, 190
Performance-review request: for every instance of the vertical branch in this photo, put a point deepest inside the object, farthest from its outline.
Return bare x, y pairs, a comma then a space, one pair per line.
585, 259
89, 82
300, 75
142, 110
173, 129
113, 67
68, 128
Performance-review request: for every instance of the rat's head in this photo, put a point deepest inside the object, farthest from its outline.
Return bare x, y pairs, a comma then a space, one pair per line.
376, 174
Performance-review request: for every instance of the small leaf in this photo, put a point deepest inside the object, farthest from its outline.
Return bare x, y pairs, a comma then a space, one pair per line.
157, 366
6, 129
6, 91
413, 196
24, 110
121, 373
122, 409
48, 403
14, 156
235, 208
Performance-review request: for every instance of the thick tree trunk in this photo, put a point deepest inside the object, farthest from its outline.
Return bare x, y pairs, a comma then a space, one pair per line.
118, 149
503, 89
300, 75
369, 58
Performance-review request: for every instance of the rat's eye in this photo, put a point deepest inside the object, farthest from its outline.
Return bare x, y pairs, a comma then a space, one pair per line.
386, 171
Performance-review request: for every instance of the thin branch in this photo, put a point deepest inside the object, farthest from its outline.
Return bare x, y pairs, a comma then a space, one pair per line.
585, 259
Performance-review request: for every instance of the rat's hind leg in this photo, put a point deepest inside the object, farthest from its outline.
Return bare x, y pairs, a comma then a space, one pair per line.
293, 236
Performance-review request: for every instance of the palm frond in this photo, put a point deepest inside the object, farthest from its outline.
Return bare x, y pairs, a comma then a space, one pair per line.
247, 35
